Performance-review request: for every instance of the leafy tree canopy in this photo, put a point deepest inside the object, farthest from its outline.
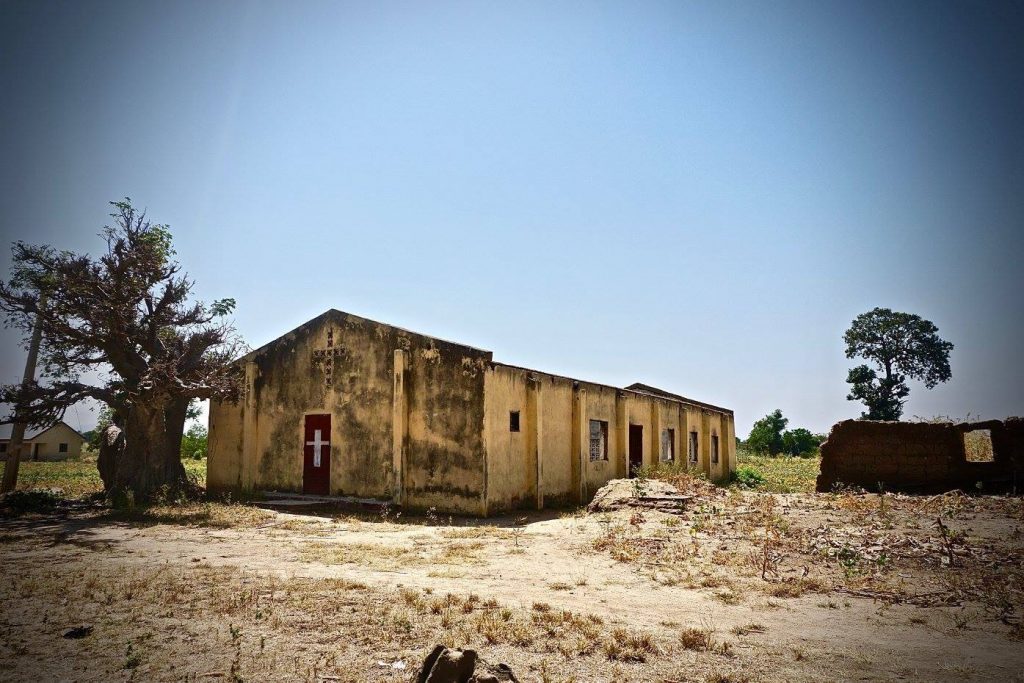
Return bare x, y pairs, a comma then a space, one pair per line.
800, 441
766, 434
123, 329
902, 346
769, 435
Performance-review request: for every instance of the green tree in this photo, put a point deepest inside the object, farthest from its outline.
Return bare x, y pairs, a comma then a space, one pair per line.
127, 319
766, 434
800, 441
193, 442
902, 346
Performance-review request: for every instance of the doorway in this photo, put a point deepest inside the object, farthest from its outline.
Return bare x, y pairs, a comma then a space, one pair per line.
316, 455
636, 448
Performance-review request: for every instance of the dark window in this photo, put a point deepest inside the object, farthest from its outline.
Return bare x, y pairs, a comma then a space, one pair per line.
513, 421
3, 448
714, 449
668, 444
598, 440
63, 448
693, 447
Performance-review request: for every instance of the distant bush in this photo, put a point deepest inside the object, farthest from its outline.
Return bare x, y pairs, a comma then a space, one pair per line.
770, 436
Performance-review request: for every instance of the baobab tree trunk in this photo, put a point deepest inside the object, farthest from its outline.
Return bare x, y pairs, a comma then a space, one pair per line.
145, 458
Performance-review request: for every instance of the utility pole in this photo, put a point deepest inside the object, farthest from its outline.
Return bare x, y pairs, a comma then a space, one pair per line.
18, 432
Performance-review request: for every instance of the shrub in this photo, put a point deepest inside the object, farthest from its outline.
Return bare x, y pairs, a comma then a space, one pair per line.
746, 477
18, 503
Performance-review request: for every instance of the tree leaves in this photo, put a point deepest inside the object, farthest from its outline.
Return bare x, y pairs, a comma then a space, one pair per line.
903, 346
126, 315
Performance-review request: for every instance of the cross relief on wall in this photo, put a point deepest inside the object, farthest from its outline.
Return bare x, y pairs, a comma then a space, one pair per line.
326, 358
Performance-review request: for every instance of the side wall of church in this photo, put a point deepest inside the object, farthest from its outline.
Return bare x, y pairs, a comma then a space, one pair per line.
553, 441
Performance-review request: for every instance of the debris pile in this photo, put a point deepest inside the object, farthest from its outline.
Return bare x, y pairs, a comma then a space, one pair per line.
651, 494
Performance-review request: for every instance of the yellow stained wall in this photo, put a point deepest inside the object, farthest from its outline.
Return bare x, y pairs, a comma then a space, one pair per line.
425, 423
598, 403
552, 446
540, 452
344, 366
224, 446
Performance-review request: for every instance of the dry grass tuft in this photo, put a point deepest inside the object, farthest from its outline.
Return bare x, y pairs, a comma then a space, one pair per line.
696, 639
629, 646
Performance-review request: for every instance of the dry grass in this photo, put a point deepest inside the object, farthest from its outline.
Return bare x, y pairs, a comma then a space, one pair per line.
202, 514
744, 552
226, 623
483, 531
696, 639
892, 548
381, 556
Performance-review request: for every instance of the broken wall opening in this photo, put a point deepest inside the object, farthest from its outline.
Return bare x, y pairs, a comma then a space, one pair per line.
978, 445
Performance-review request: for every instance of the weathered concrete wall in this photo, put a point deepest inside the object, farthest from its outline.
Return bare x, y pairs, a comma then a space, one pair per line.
426, 423
598, 402
917, 456
552, 447
556, 438
345, 366
224, 446
512, 475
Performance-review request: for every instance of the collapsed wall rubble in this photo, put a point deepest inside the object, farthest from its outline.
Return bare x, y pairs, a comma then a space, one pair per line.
926, 457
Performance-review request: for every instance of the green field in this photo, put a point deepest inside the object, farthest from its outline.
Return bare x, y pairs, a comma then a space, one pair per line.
781, 474
80, 478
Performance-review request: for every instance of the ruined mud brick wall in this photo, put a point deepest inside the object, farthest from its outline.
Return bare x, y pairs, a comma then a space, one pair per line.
920, 457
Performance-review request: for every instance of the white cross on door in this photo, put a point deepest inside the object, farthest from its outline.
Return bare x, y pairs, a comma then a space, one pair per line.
317, 443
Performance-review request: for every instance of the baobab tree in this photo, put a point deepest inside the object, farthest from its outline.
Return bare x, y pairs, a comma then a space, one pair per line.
128, 318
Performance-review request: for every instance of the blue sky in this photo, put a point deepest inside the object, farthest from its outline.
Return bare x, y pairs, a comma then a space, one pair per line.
699, 196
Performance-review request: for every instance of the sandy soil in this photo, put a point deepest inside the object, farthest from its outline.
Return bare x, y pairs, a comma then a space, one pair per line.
785, 587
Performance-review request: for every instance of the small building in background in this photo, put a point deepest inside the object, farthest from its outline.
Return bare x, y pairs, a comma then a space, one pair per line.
58, 442
347, 406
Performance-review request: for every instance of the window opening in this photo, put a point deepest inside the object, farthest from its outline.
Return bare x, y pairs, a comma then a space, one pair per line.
978, 445
598, 440
668, 444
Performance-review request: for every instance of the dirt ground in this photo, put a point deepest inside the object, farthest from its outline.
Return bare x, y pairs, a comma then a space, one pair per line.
738, 586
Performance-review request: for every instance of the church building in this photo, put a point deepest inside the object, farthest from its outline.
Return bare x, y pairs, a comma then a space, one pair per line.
345, 406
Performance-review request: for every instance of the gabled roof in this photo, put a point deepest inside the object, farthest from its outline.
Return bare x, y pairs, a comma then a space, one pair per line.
342, 316
30, 435
334, 313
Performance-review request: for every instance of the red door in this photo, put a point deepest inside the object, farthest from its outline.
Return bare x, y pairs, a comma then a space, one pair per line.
316, 455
